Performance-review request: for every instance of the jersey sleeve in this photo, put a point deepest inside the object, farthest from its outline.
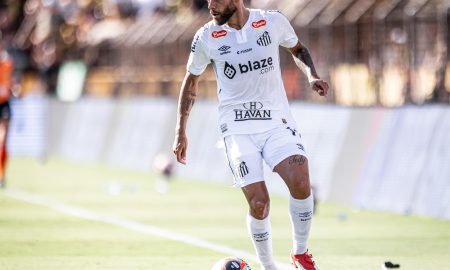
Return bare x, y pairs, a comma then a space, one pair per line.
199, 56
286, 34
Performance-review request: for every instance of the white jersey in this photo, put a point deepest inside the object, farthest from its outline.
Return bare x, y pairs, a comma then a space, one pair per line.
250, 88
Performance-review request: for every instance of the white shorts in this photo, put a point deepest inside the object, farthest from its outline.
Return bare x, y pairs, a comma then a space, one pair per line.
245, 152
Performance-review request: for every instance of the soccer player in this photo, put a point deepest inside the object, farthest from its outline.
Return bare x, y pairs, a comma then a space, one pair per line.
242, 45
6, 83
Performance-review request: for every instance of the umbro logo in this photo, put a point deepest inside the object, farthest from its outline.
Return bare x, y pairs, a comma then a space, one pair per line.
224, 49
264, 39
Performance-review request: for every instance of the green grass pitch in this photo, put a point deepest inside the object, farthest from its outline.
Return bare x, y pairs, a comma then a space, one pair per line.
37, 237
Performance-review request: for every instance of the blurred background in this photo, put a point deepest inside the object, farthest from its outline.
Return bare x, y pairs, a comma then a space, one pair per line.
94, 88
99, 79
374, 52
98, 82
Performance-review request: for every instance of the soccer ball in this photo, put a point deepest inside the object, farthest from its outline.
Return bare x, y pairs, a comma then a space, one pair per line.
231, 264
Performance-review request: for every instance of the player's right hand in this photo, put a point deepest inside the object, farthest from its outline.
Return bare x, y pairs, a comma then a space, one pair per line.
320, 86
179, 147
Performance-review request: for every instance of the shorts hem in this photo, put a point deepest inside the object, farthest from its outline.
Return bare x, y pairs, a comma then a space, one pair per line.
247, 182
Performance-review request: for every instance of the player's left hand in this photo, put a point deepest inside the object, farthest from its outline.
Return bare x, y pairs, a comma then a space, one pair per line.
320, 86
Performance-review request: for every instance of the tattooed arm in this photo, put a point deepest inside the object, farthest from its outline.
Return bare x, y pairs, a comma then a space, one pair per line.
304, 61
186, 100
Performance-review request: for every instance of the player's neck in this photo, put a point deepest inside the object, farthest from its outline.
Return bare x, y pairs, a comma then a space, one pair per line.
239, 18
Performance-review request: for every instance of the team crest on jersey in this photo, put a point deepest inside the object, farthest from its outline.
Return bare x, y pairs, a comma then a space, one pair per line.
264, 39
259, 24
219, 34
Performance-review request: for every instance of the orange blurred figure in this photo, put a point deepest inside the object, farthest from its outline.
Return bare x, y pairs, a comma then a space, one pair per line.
6, 84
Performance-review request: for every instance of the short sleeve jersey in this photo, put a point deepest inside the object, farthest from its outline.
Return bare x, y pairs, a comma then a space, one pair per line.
250, 89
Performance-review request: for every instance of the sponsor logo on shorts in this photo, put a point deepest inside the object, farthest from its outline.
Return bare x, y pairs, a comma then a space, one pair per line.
252, 111
300, 146
264, 39
259, 23
242, 169
219, 34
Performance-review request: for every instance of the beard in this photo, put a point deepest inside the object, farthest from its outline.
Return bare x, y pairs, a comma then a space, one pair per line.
226, 14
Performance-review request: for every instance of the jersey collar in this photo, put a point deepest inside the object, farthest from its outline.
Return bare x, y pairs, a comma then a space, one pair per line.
246, 25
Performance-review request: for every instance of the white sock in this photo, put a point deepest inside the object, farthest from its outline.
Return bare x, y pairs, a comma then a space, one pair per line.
301, 212
261, 235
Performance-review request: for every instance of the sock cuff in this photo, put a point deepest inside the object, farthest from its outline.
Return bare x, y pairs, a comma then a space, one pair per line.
258, 223
305, 203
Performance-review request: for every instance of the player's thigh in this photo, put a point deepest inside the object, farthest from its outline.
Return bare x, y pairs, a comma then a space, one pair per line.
295, 173
282, 143
244, 158
285, 154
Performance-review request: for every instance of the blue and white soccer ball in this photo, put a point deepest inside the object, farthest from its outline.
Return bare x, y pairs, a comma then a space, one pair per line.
231, 264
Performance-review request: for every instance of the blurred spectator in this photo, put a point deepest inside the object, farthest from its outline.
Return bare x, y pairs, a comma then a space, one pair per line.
6, 87
393, 65
146, 7
163, 166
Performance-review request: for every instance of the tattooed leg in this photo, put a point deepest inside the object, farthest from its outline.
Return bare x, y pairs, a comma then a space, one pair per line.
294, 171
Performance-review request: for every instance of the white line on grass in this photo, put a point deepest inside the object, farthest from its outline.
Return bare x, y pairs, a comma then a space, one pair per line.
130, 225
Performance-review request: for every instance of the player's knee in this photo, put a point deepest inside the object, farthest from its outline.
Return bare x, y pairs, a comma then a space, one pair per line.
259, 207
302, 184
300, 187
